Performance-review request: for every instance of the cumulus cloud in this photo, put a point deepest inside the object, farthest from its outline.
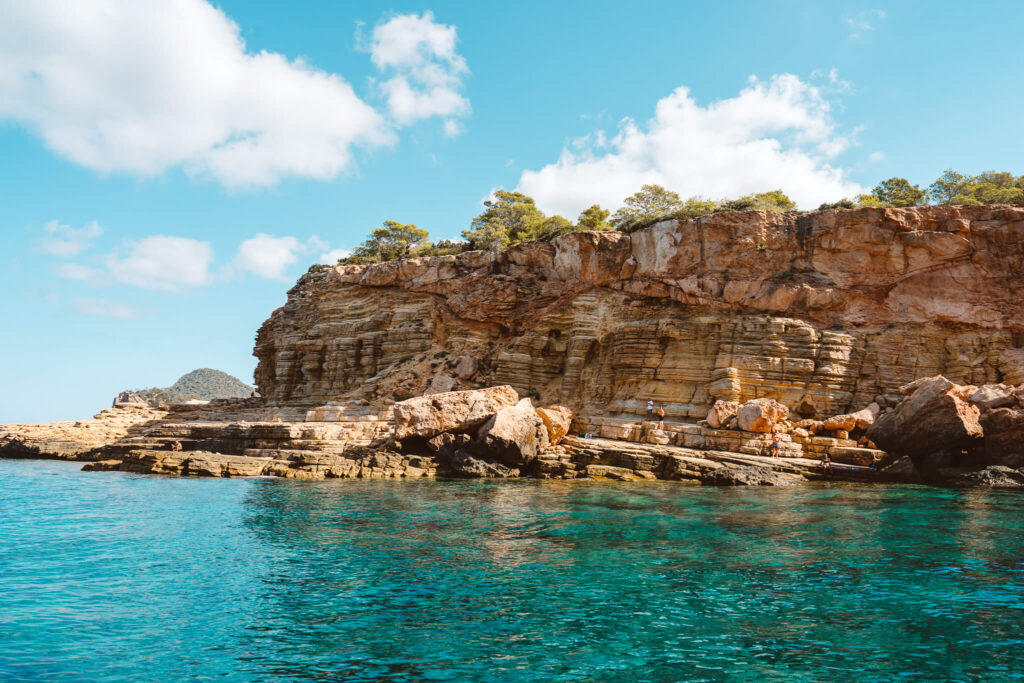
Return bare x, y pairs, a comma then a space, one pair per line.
163, 263
139, 87
858, 25
104, 309
427, 70
65, 241
773, 134
267, 256
331, 257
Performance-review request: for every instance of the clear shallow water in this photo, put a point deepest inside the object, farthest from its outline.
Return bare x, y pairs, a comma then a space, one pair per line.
114, 577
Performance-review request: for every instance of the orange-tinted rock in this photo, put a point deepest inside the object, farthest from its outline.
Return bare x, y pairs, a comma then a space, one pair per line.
721, 412
760, 415
557, 420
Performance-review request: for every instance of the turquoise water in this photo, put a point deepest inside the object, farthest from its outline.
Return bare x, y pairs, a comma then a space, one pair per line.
107, 576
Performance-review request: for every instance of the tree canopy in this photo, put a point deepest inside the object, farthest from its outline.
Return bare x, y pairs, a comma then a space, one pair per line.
510, 218
392, 241
652, 203
990, 187
898, 192
593, 218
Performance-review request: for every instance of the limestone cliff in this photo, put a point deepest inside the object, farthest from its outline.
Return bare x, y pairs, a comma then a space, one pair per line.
824, 312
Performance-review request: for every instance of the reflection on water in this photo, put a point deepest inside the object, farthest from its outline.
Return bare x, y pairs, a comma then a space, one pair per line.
111, 576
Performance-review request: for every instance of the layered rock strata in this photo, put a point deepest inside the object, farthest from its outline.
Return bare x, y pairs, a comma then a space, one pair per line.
825, 313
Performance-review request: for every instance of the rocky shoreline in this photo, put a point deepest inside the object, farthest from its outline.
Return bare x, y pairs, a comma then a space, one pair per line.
492, 433
888, 341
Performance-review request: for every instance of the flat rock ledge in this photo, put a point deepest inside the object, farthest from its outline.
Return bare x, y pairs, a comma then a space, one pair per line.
246, 439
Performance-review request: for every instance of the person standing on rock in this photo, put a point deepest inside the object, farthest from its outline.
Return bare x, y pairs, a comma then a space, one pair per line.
826, 464
661, 417
776, 440
650, 410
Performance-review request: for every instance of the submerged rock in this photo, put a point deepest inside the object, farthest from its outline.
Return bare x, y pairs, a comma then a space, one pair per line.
749, 476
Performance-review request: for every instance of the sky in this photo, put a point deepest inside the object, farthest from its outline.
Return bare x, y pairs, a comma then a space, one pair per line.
168, 170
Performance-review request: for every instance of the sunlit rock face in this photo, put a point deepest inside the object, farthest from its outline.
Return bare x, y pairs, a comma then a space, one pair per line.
823, 312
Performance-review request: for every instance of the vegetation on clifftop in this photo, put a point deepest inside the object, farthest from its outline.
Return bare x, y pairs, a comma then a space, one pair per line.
512, 217
203, 384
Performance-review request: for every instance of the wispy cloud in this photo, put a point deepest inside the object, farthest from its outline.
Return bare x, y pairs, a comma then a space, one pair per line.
104, 309
64, 241
859, 25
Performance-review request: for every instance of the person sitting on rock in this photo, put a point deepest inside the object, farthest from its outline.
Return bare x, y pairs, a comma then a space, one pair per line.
826, 464
650, 410
776, 441
176, 446
661, 417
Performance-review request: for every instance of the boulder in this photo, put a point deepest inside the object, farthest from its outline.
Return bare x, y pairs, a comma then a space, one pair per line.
447, 444
933, 417
866, 416
760, 415
466, 367
441, 384
128, 397
994, 476
720, 413
811, 426
901, 467
557, 420
1004, 436
515, 435
991, 396
455, 411
837, 423
468, 465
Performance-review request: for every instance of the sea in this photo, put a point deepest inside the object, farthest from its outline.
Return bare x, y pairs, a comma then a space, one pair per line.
114, 577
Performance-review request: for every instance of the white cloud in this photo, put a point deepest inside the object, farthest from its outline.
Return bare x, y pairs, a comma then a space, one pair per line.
452, 128
104, 309
331, 257
139, 87
773, 134
163, 263
875, 157
860, 24
267, 256
77, 271
427, 69
65, 241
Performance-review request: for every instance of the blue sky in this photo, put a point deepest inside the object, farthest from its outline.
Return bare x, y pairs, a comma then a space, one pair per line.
169, 172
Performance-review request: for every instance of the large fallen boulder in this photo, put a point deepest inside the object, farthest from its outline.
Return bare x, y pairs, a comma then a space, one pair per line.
515, 435
454, 411
1004, 436
934, 417
557, 420
761, 414
718, 416
992, 396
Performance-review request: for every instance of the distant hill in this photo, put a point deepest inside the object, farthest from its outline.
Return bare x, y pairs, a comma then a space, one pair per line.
202, 384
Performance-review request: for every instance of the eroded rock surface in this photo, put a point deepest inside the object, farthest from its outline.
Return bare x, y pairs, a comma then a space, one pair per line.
455, 411
934, 417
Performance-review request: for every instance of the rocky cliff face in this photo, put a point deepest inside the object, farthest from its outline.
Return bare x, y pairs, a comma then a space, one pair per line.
823, 312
